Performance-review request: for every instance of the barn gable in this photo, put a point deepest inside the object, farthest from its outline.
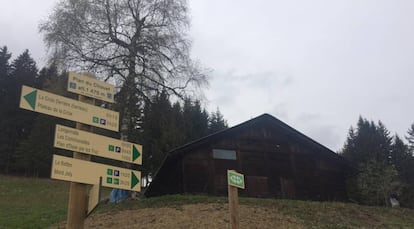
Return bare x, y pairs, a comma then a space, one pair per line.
277, 161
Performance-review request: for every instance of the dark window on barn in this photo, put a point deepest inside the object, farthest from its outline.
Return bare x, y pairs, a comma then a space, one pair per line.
224, 154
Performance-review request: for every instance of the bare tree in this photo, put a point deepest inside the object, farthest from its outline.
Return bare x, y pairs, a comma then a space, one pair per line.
142, 43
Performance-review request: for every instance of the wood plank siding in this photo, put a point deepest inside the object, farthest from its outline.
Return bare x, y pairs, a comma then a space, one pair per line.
277, 161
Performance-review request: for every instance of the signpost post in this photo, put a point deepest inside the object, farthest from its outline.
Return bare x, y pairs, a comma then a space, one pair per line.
234, 181
77, 205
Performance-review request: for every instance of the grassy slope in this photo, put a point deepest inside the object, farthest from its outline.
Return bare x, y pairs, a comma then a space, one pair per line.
311, 214
31, 203
38, 203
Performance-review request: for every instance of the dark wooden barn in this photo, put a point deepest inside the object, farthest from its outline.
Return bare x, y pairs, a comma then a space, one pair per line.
277, 161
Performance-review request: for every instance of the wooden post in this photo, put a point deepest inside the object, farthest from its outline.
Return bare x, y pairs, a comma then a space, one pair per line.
78, 203
234, 207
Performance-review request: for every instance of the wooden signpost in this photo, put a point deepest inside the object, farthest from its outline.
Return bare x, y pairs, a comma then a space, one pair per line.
98, 145
55, 105
234, 181
86, 177
91, 87
86, 172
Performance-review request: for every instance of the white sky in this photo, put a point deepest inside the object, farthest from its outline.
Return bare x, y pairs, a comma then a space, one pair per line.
316, 65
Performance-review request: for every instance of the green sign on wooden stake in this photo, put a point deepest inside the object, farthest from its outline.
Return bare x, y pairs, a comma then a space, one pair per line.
235, 179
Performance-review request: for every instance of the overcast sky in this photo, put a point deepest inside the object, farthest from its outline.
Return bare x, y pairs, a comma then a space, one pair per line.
315, 65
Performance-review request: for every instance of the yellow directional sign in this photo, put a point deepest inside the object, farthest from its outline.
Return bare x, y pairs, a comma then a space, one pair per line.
93, 144
87, 86
47, 103
75, 170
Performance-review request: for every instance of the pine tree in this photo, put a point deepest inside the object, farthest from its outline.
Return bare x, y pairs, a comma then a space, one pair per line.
410, 138
368, 141
16, 123
400, 155
4, 64
216, 122
156, 125
5, 86
406, 166
369, 147
34, 154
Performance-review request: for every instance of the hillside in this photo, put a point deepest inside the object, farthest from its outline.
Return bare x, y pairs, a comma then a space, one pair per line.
41, 203
211, 212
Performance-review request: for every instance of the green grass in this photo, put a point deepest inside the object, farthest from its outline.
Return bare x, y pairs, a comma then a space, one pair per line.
339, 215
39, 203
32, 203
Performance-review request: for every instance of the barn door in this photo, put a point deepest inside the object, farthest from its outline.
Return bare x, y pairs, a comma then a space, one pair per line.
287, 188
257, 186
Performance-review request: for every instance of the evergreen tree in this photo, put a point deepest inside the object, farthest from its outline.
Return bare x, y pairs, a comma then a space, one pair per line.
410, 138
376, 181
5, 86
368, 141
216, 122
34, 154
16, 123
369, 148
199, 119
4, 64
157, 123
400, 156
405, 165
195, 120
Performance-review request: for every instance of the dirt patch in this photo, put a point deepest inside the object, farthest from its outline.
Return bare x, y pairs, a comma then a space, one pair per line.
192, 216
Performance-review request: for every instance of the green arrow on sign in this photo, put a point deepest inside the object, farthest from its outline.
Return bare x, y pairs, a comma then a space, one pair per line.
135, 153
134, 180
31, 99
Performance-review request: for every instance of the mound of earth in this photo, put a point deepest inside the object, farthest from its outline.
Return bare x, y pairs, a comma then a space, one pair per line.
192, 216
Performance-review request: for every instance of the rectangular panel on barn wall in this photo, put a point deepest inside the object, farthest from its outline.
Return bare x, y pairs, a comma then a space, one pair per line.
195, 174
288, 188
257, 186
224, 154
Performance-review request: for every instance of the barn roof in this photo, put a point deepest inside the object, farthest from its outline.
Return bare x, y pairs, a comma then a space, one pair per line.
266, 119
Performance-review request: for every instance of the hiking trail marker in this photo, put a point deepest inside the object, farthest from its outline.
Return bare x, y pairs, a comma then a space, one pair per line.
98, 145
86, 172
86, 177
234, 181
58, 106
91, 87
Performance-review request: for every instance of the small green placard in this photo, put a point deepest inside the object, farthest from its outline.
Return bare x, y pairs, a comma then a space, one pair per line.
235, 179
109, 172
